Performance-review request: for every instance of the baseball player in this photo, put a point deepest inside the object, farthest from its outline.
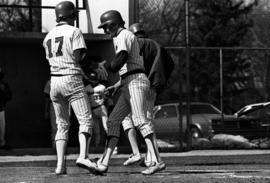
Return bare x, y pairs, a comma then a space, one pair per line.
150, 52
65, 48
134, 87
95, 89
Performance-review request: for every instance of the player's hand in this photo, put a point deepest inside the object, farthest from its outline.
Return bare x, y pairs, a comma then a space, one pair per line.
89, 89
109, 91
101, 71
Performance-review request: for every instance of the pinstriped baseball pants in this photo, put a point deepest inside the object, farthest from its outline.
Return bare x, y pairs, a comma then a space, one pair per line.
131, 101
69, 91
127, 123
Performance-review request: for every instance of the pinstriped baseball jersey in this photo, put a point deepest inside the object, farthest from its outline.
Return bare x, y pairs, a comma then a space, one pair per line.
59, 44
126, 41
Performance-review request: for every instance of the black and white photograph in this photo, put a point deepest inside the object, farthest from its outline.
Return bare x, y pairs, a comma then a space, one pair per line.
135, 91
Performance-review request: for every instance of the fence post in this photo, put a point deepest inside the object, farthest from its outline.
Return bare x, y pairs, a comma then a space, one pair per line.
181, 136
30, 15
187, 73
221, 82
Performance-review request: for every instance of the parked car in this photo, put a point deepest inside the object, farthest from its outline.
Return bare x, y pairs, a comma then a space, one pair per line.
206, 120
259, 111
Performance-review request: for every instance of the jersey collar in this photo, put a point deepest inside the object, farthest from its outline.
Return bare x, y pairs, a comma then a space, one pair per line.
62, 23
119, 30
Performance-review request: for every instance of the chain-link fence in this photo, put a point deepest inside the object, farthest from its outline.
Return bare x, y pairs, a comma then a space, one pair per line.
229, 78
219, 70
226, 78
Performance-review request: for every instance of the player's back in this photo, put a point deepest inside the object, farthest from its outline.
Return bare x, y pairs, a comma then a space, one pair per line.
59, 44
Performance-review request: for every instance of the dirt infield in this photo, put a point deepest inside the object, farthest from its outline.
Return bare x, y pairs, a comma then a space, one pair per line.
188, 167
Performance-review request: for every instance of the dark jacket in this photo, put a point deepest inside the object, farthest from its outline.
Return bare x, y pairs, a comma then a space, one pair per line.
157, 62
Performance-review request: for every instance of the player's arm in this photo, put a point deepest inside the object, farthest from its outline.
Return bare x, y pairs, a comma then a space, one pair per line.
79, 54
119, 60
111, 90
118, 84
78, 45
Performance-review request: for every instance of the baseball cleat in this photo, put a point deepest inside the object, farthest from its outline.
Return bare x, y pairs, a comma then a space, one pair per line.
86, 164
132, 159
155, 167
100, 168
60, 170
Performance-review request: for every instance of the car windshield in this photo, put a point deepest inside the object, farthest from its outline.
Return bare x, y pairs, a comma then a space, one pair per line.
169, 111
203, 109
253, 109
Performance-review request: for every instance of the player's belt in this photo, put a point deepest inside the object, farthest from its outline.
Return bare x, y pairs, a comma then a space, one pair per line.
60, 75
136, 71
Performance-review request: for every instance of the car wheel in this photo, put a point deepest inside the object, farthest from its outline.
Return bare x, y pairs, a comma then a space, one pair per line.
195, 133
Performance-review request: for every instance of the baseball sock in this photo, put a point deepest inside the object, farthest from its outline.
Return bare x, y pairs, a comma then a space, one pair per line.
131, 134
110, 145
84, 139
61, 146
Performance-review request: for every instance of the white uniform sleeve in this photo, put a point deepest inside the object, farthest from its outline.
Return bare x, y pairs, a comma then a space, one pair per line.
124, 42
99, 88
78, 40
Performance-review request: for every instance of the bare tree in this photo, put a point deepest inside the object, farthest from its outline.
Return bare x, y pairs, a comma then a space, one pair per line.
20, 19
163, 20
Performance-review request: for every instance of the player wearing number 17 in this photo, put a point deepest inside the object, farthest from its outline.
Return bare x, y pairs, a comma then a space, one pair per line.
65, 48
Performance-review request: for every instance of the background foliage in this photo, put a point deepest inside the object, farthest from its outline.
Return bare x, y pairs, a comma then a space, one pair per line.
214, 23
18, 19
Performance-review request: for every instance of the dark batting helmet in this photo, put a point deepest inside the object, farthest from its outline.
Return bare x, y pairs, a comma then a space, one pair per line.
110, 17
65, 10
137, 29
